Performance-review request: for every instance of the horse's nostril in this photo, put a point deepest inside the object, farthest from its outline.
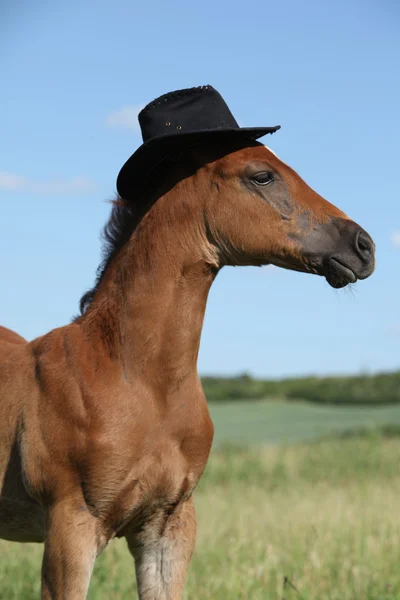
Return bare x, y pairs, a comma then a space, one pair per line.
364, 245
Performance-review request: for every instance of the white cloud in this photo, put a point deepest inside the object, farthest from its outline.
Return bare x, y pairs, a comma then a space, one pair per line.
74, 185
125, 118
9, 181
396, 239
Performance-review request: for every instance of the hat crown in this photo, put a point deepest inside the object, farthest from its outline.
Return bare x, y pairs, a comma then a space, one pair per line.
183, 118
189, 110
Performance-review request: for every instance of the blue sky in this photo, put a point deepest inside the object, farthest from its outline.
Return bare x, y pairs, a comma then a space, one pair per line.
73, 76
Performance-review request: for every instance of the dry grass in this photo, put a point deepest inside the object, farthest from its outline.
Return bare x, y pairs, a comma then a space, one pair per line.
319, 521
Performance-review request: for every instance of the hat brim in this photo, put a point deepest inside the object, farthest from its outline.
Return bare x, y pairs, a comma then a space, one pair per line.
143, 160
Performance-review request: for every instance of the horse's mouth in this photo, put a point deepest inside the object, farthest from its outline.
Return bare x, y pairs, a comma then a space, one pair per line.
338, 275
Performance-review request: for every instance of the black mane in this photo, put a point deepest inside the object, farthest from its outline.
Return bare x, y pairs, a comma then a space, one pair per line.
115, 234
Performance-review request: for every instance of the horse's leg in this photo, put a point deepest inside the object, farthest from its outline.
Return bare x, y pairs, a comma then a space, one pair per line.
71, 546
162, 560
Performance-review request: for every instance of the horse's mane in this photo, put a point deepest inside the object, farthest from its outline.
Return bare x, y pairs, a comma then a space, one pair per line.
126, 215
124, 218
115, 234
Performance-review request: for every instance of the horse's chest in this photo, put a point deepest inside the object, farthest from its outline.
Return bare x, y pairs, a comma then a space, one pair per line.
162, 474
155, 486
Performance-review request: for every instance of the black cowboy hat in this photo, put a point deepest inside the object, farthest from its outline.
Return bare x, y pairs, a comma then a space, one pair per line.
178, 119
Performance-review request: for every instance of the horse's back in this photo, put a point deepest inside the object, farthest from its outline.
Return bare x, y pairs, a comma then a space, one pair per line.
15, 384
21, 518
7, 335
14, 363
14, 366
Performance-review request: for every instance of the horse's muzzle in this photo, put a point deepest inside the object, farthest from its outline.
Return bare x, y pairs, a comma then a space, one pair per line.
354, 255
340, 250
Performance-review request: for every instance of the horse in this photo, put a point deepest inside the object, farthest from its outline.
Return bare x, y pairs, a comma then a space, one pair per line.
105, 429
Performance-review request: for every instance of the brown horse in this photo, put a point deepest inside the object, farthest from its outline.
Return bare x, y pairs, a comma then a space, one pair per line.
105, 429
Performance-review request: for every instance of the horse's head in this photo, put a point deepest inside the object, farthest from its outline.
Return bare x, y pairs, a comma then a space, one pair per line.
259, 211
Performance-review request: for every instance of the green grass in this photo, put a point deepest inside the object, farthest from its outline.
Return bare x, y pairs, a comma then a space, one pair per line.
317, 520
281, 422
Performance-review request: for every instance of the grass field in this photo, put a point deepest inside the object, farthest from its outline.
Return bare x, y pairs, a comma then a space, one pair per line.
282, 422
318, 520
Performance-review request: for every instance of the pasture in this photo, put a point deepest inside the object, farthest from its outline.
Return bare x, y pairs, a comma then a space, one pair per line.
314, 520
281, 422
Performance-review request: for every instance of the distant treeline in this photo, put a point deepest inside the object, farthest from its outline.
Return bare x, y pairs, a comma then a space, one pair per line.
362, 389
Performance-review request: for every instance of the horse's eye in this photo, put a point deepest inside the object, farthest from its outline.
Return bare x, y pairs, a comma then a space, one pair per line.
263, 178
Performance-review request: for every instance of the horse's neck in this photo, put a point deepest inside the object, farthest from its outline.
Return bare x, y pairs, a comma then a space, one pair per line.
150, 304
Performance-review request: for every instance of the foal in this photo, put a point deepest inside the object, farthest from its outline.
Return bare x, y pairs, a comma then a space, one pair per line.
105, 429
